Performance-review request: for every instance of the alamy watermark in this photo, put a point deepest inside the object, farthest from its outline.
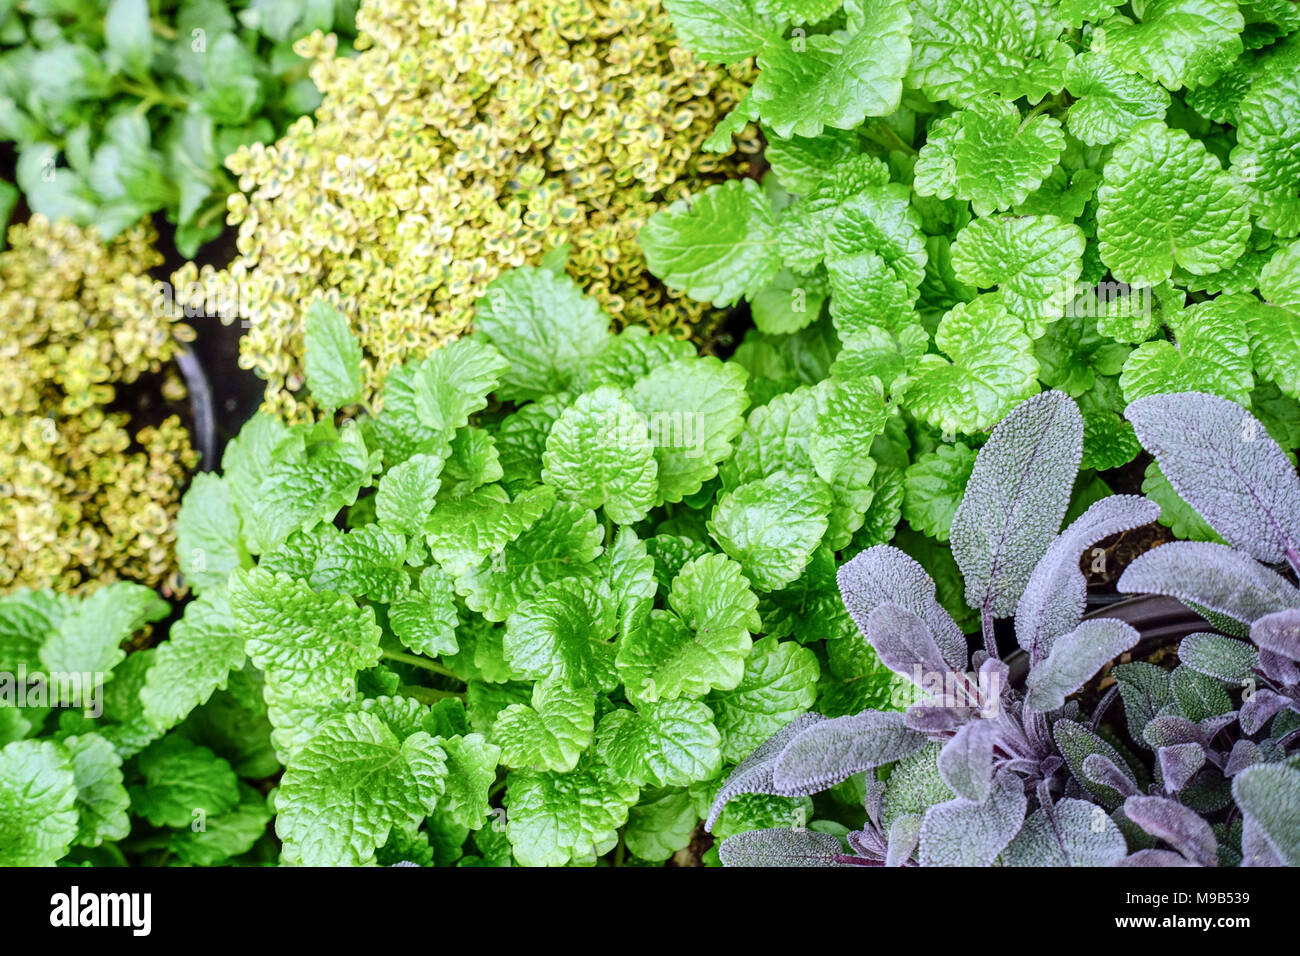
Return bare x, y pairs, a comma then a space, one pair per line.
679, 429
24, 688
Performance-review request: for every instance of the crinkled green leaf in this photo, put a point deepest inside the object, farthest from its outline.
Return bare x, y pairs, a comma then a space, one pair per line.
1165, 200
1034, 261
196, 659
89, 634
667, 743
551, 733
780, 683
1109, 100
545, 328
599, 454
933, 486
558, 818
772, 526
1176, 42
425, 620
963, 50
989, 155
310, 647
182, 782
563, 543
102, 801
693, 409
1267, 154
331, 356
352, 784
992, 368
38, 803
836, 79
208, 543
716, 248
565, 632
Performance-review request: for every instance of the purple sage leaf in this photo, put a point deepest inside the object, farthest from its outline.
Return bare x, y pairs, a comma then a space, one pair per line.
1224, 464
1181, 828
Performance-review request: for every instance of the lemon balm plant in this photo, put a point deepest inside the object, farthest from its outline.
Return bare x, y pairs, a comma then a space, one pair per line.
991, 198
535, 603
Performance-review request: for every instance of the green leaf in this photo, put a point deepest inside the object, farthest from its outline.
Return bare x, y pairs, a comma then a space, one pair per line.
628, 571
351, 785
1109, 100
367, 562
875, 259
716, 248
461, 533
668, 743
1267, 154
552, 733
471, 771
660, 825
772, 526
304, 485
425, 620
963, 50
407, 493
1164, 200
599, 454
557, 818
565, 632
228, 835
693, 409
196, 659
1175, 513
425, 403
933, 486
837, 79
182, 783
562, 544
208, 545
102, 800
88, 638
989, 155
1034, 261
787, 304
544, 327
331, 356
701, 643
521, 437
1211, 353
1177, 42
802, 163
38, 803
992, 369
780, 683
129, 36
717, 30
309, 645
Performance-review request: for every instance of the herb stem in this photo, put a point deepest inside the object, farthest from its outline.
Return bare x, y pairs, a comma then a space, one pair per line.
986, 625
421, 662
1293, 559
886, 137
429, 695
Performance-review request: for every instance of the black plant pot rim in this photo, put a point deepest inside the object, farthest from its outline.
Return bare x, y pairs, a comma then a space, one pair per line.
1159, 620
204, 433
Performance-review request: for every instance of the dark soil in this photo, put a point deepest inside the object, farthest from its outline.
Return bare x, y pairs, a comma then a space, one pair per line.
693, 853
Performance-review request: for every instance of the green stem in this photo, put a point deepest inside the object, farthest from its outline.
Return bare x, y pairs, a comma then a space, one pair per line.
620, 851
889, 139
422, 662
428, 695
